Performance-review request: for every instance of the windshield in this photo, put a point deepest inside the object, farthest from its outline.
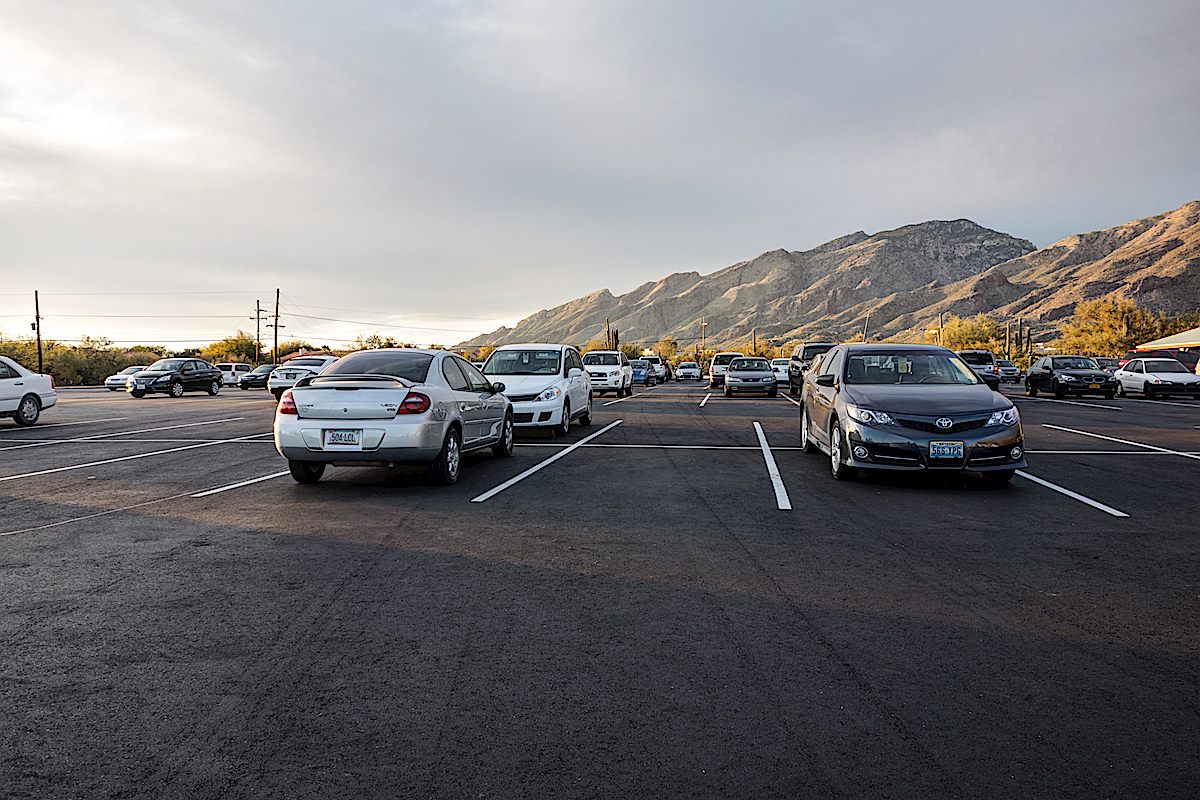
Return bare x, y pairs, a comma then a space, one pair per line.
1005, 363
262, 369
1165, 366
724, 358
602, 359
908, 368
977, 359
523, 362
811, 351
168, 364
1074, 362
399, 364
749, 365
130, 370
689, 365
779, 362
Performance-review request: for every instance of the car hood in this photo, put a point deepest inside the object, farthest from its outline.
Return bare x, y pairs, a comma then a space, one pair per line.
524, 384
926, 399
1175, 377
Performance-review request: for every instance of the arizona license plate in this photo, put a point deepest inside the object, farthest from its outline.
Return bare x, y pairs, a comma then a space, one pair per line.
347, 439
945, 449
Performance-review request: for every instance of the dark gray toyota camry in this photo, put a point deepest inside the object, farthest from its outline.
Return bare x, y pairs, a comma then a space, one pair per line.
908, 408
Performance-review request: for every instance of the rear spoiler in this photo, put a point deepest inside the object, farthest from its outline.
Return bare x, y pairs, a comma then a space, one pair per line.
354, 378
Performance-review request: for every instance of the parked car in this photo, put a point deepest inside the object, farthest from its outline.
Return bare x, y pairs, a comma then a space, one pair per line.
1157, 377
750, 374
1108, 364
116, 382
24, 395
780, 367
717, 367
984, 365
174, 376
257, 377
662, 372
643, 372
1008, 371
292, 370
1188, 358
1069, 375
908, 408
802, 357
609, 371
231, 371
546, 383
392, 406
687, 371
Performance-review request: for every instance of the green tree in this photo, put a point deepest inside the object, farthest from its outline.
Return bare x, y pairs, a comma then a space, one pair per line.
667, 347
239, 347
1112, 325
978, 333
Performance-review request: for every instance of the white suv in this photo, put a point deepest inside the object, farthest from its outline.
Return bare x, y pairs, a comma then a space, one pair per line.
546, 383
231, 371
286, 374
660, 367
716, 369
609, 371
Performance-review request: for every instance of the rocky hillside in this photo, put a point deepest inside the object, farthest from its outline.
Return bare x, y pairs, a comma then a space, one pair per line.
899, 279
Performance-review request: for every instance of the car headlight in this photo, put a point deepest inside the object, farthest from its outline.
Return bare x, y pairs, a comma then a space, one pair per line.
1007, 417
1068, 377
614, 373
163, 379
869, 417
550, 393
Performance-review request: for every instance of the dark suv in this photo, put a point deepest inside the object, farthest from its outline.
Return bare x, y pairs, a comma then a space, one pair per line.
802, 356
174, 376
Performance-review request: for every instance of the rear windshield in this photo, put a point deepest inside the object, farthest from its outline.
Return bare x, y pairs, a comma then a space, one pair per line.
262, 369
725, 358
639, 364
410, 366
977, 359
811, 351
779, 362
1163, 365
749, 364
602, 359
1004, 363
306, 362
1074, 362
654, 359
908, 368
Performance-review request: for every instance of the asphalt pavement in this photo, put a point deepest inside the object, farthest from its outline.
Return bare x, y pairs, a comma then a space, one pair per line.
680, 604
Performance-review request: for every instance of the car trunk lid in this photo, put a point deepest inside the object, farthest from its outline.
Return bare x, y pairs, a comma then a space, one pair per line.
351, 397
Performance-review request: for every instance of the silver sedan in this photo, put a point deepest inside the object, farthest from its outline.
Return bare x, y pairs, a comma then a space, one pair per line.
389, 407
750, 374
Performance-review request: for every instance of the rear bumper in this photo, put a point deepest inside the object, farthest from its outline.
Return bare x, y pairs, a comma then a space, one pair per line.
907, 450
392, 443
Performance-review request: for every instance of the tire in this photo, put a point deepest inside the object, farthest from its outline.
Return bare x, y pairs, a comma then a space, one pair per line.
138, 393
727, 392
112, 388
445, 468
772, 392
243, 387
504, 447
564, 427
28, 411
1030, 390
1148, 391
793, 390
1059, 392
176, 389
278, 394
839, 470
806, 440
213, 388
1121, 390
1109, 395
306, 471
585, 419
999, 476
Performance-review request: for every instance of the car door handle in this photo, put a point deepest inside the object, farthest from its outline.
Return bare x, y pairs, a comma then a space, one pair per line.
18, 383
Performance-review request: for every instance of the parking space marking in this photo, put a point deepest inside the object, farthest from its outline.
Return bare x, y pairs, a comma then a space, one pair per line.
705, 400
61, 425
1074, 495
1163, 402
781, 495
623, 399
46, 442
239, 485
489, 494
1123, 441
1068, 402
657, 446
116, 460
792, 400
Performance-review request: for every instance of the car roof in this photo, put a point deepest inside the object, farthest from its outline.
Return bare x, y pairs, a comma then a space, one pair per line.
603, 352
888, 347
728, 353
544, 345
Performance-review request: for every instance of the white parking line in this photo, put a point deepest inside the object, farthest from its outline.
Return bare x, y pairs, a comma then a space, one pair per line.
116, 460
489, 494
220, 489
1123, 441
123, 433
623, 399
781, 495
1068, 402
792, 400
705, 400
1074, 495
1164, 402
61, 425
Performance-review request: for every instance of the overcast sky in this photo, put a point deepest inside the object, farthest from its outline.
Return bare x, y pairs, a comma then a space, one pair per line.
454, 165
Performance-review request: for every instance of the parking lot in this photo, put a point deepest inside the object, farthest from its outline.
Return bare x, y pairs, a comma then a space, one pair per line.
673, 602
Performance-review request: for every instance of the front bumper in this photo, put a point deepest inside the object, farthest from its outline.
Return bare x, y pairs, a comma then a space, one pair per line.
384, 442
534, 414
604, 383
755, 386
1080, 388
149, 388
905, 449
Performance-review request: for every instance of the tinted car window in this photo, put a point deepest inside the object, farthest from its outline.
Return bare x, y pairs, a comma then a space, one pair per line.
1074, 362
410, 366
454, 375
1165, 366
479, 382
811, 351
306, 362
1133, 366
976, 359
6, 372
833, 364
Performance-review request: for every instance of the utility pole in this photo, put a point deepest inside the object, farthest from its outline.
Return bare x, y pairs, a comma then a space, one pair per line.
258, 318
866, 323
1008, 340
703, 349
37, 325
941, 324
754, 341
276, 326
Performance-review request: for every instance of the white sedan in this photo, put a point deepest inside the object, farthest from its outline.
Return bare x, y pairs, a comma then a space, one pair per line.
780, 367
116, 382
1157, 377
687, 371
24, 394
286, 374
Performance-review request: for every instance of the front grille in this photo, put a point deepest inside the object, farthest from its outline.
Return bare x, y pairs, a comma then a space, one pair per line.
522, 418
987, 458
521, 398
929, 427
887, 454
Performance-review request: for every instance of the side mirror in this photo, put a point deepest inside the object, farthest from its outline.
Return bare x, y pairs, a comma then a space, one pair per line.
497, 387
1046, 368
574, 372
826, 380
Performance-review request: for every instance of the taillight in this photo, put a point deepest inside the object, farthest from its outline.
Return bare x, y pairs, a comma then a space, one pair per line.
415, 403
287, 404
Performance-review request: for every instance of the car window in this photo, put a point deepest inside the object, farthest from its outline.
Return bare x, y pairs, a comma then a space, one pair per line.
833, 364
409, 365
454, 375
601, 359
6, 371
1074, 362
723, 359
624, 360
811, 351
977, 359
523, 362
744, 364
1165, 365
1133, 366
478, 381
908, 368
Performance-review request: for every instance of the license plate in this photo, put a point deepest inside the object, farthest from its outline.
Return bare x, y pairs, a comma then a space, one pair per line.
345, 439
1093, 386
945, 449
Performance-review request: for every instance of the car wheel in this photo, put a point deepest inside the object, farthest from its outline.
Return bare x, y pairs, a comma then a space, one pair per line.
837, 467
772, 392
1059, 392
504, 447
278, 394
214, 387
806, 440
728, 393
585, 419
139, 394
446, 466
243, 387
999, 476
1121, 390
306, 471
28, 411
112, 388
176, 389
1148, 390
1109, 395
564, 427
1030, 390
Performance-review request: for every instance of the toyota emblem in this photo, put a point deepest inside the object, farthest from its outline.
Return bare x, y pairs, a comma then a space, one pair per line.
944, 422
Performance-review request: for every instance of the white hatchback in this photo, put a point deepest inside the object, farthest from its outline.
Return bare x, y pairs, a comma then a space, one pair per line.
1157, 377
546, 383
24, 394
